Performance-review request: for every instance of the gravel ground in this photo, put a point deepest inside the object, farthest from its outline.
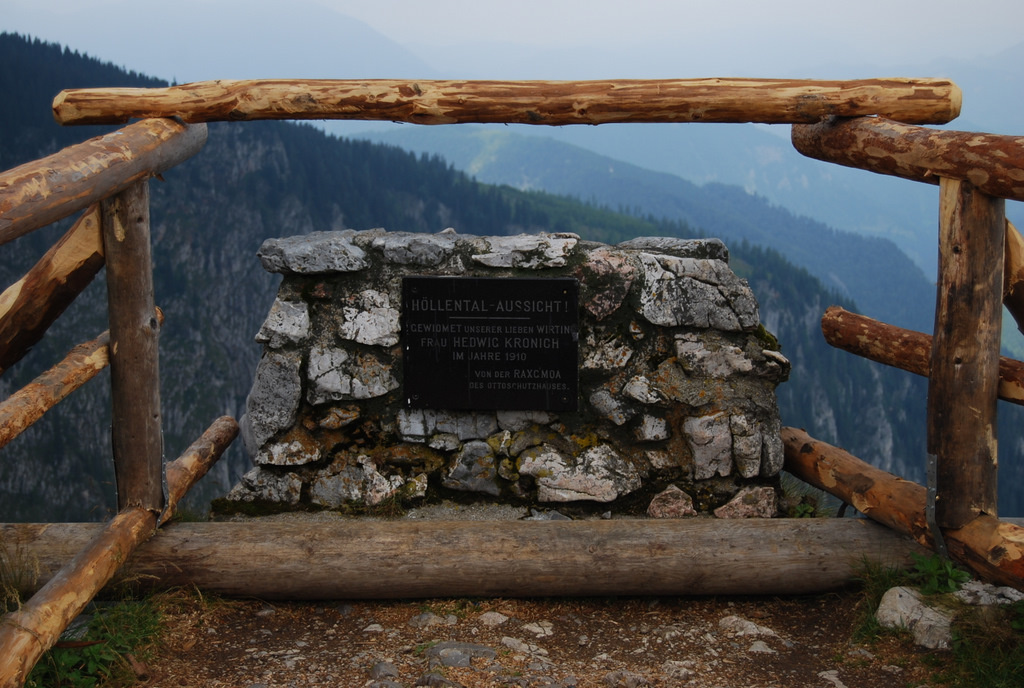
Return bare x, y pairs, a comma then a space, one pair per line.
560, 643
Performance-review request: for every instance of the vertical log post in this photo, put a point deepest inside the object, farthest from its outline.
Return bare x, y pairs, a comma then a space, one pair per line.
965, 353
134, 367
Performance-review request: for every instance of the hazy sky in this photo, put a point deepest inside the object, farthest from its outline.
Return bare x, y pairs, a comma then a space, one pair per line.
189, 40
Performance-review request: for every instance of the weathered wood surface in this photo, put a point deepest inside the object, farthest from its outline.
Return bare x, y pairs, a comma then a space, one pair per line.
1013, 275
903, 349
991, 548
27, 405
992, 163
28, 632
933, 101
29, 306
964, 379
191, 466
43, 191
352, 559
136, 432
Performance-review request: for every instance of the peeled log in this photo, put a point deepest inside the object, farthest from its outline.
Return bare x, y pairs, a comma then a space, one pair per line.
992, 163
28, 632
27, 405
353, 559
904, 349
772, 101
29, 306
1013, 275
46, 190
964, 378
991, 548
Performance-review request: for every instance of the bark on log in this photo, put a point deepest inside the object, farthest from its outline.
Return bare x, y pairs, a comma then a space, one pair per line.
352, 559
991, 548
994, 164
28, 632
136, 432
1013, 275
904, 349
37, 193
963, 384
934, 101
27, 405
29, 306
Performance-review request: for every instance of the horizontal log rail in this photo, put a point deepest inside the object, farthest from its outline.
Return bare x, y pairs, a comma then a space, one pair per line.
38, 193
991, 548
29, 306
25, 634
993, 164
355, 559
903, 349
771, 101
23, 408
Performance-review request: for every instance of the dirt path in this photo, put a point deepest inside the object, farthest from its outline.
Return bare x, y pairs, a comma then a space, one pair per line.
804, 641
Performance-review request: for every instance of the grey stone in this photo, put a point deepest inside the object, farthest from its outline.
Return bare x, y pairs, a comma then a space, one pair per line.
639, 388
712, 249
671, 502
738, 626
681, 670
761, 647
454, 653
903, 607
466, 426
362, 482
722, 361
653, 429
607, 355
383, 670
710, 441
598, 474
610, 274
427, 619
290, 452
287, 323
336, 375
526, 251
416, 249
370, 319
262, 485
621, 678
492, 618
313, 253
977, 593
746, 445
521, 420
751, 502
474, 470
273, 402
611, 408
328, 378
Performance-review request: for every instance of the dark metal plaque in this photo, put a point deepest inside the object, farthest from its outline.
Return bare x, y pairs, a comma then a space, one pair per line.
484, 343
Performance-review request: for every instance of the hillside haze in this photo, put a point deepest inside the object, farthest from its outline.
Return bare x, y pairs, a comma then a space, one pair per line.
258, 180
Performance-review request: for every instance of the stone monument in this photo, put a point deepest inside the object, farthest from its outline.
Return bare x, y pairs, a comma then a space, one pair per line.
538, 369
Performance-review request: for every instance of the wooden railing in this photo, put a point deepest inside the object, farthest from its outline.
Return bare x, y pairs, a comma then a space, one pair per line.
107, 178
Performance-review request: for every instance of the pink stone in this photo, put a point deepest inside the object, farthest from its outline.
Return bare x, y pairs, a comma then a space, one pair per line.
671, 503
